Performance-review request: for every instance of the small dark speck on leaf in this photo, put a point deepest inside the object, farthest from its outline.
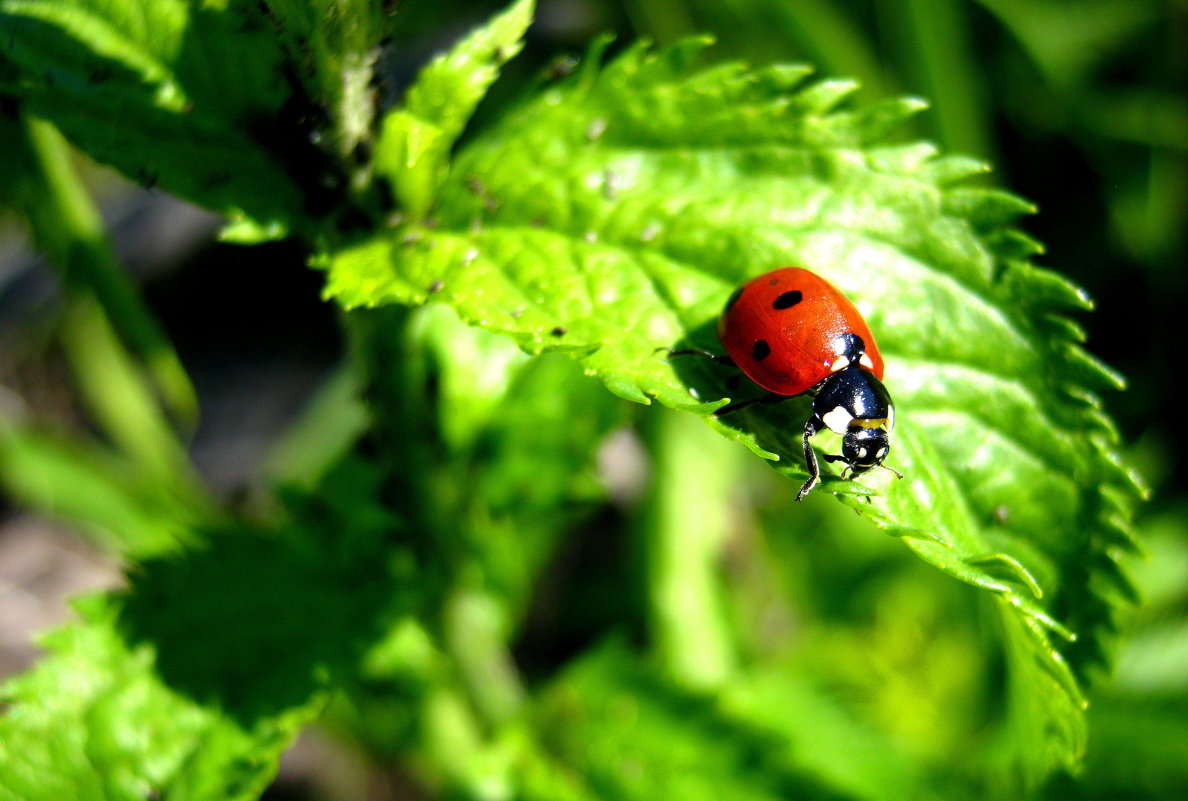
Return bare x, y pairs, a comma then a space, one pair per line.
146, 178
476, 185
559, 331
436, 287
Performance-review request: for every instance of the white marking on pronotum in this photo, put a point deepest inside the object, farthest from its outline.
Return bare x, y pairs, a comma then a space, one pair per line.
837, 420
882, 452
842, 362
866, 362
862, 453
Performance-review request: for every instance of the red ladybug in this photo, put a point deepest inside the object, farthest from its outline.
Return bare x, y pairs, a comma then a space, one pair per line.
793, 332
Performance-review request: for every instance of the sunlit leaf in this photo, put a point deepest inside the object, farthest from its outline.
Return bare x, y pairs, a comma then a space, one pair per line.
612, 216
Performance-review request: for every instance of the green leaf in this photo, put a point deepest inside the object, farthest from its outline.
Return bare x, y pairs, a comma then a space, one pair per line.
94, 720
612, 216
335, 44
190, 683
415, 140
157, 88
514, 440
629, 734
254, 624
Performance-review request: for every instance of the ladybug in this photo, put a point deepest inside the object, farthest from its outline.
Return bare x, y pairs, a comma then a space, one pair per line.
792, 332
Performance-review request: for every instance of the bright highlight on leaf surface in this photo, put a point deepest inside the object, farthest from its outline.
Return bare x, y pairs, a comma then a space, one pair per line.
612, 216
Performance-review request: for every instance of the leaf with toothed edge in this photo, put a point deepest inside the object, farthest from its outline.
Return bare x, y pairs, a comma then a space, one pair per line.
156, 88
613, 215
415, 140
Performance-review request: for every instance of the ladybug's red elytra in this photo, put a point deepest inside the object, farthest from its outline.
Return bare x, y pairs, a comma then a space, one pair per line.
791, 332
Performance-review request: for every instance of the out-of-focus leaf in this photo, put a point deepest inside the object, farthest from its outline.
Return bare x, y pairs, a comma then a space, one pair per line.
95, 720
157, 88
106, 495
519, 435
191, 682
1069, 41
628, 734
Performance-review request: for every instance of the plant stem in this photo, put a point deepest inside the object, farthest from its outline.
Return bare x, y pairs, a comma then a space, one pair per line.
67, 225
686, 526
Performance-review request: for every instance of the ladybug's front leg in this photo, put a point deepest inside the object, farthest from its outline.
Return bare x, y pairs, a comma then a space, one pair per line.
810, 456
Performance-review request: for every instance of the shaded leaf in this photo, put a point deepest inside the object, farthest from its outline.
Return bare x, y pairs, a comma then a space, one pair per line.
155, 88
628, 734
94, 720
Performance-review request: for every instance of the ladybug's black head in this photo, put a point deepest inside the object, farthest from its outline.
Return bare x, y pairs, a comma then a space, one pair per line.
853, 403
864, 448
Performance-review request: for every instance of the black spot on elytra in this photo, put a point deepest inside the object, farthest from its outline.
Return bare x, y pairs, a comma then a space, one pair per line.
761, 350
788, 299
733, 299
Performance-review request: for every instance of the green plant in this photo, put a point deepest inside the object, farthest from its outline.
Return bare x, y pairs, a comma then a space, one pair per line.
603, 217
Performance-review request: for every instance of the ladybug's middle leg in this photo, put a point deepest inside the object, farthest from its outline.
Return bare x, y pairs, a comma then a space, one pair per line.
715, 357
810, 456
762, 400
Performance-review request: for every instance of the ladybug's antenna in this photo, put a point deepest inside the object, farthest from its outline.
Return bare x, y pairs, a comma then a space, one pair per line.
892, 469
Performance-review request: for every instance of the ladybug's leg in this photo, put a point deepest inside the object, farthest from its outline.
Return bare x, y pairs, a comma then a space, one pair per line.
810, 457
703, 353
765, 400
847, 467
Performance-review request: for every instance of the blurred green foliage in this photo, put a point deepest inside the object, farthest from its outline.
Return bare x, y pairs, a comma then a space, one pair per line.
493, 578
